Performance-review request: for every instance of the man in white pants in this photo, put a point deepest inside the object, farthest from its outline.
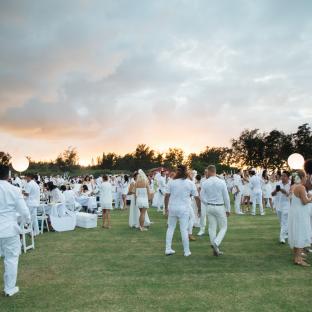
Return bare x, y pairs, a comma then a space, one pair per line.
256, 193
215, 196
177, 208
203, 216
282, 204
11, 203
32, 194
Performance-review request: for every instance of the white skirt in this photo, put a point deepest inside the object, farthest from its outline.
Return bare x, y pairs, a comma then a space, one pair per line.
299, 225
107, 205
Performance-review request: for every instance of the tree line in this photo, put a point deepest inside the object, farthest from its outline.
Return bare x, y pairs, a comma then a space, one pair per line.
252, 148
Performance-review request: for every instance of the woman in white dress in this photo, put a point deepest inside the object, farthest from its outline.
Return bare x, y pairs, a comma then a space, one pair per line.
133, 210
106, 200
125, 189
299, 228
142, 196
193, 209
246, 192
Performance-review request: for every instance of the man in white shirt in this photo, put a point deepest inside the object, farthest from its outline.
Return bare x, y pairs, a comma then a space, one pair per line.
256, 193
215, 196
238, 192
11, 204
32, 194
282, 204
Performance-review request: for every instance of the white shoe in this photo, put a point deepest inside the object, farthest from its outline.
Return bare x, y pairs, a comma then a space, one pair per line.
201, 233
216, 250
13, 292
240, 213
253, 214
169, 252
282, 241
187, 254
262, 214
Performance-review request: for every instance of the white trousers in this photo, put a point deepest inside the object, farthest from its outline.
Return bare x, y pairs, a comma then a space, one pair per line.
216, 220
191, 221
10, 249
203, 217
118, 200
160, 201
283, 219
34, 219
237, 202
172, 222
256, 199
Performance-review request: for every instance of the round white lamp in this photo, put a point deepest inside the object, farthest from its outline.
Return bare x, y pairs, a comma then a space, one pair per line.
295, 161
20, 164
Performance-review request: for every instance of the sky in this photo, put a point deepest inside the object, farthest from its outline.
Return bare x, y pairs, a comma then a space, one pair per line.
104, 76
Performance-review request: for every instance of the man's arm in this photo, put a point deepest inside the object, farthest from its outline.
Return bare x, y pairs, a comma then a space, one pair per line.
203, 195
226, 199
167, 196
198, 203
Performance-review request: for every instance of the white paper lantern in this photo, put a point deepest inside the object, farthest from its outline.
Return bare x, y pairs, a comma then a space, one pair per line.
20, 164
295, 161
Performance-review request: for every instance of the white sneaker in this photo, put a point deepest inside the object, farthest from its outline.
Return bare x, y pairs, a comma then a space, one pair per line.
216, 250
169, 252
11, 293
201, 233
240, 213
187, 254
262, 214
282, 241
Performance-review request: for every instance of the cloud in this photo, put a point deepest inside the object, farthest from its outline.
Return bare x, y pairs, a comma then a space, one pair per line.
106, 75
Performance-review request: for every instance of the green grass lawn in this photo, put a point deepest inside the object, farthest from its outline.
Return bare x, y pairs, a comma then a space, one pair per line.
125, 270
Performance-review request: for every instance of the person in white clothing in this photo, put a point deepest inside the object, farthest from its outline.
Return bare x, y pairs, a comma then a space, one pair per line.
203, 215
299, 227
215, 196
161, 191
11, 204
142, 195
238, 189
282, 204
125, 190
106, 200
70, 197
177, 208
256, 193
32, 194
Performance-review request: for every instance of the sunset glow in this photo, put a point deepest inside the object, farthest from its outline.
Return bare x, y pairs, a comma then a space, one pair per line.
104, 77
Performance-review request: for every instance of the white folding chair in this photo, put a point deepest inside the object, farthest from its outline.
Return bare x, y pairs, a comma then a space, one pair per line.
42, 218
27, 229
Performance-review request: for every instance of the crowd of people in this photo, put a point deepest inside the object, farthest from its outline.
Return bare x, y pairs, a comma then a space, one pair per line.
181, 195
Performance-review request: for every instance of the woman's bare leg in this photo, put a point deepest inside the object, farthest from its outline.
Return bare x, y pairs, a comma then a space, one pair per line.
103, 217
142, 217
108, 219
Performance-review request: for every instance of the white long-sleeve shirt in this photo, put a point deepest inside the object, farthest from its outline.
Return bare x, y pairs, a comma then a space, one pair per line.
255, 184
11, 204
214, 191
